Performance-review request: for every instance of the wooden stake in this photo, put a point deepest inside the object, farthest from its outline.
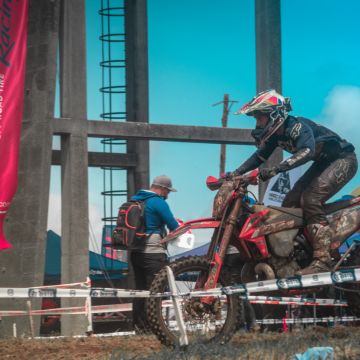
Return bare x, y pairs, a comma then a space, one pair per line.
31, 320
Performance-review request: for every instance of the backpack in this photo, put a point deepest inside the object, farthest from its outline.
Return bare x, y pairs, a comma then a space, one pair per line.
130, 226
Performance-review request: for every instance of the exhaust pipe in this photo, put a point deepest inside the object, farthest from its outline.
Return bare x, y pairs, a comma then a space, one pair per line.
266, 270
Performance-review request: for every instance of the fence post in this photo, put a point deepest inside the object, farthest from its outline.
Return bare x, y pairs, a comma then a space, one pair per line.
88, 313
31, 320
183, 340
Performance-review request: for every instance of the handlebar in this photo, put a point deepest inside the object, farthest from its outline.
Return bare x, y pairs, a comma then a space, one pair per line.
251, 178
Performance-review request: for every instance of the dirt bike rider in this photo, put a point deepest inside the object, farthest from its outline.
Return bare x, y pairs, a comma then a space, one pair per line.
334, 164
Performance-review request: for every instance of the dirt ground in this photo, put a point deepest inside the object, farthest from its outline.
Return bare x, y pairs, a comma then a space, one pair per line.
259, 346
78, 348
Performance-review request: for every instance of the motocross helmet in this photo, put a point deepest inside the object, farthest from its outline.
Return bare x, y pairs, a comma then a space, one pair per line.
271, 103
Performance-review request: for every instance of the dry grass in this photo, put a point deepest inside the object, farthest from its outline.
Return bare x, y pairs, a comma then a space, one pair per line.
249, 346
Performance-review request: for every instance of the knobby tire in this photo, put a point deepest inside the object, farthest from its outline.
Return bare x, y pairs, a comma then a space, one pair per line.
160, 285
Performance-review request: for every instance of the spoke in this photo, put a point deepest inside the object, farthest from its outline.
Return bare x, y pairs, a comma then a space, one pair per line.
196, 320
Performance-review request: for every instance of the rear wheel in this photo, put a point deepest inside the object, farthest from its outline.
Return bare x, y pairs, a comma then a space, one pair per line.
216, 321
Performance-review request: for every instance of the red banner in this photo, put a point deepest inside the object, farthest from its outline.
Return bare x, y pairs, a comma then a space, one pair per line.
13, 36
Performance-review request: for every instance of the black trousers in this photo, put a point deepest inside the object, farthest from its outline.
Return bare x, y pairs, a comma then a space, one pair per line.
145, 266
319, 183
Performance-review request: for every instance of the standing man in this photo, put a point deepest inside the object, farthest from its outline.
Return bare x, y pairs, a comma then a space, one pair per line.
150, 257
334, 164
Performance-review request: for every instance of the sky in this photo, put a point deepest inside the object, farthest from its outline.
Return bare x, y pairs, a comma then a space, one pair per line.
200, 50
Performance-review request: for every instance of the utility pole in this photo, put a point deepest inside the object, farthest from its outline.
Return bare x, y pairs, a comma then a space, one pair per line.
224, 120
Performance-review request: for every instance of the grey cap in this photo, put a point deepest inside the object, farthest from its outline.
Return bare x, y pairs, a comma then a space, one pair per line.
163, 181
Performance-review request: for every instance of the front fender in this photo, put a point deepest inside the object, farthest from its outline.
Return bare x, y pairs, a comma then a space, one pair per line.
207, 223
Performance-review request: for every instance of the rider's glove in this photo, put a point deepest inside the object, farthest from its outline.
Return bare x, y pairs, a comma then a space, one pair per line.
231, 174
267, 173
227, 175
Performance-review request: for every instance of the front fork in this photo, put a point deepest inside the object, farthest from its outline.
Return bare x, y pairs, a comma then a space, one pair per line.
220, 252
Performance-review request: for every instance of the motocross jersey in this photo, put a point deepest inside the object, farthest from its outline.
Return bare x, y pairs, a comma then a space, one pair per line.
303, 138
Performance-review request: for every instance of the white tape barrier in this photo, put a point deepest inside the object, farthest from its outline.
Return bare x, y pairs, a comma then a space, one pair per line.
215, 324
277, 302
76, 310
75, 293
118, 333
300, 301
296, 282
274, 300
308, 320
86, 284
127, 307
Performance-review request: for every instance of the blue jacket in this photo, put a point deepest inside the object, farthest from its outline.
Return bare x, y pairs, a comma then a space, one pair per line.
157, 212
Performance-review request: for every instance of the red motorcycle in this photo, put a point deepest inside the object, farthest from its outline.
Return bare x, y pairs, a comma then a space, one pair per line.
272, 243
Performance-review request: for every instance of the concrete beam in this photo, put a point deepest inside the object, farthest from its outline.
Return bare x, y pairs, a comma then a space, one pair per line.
99, 159
160, 132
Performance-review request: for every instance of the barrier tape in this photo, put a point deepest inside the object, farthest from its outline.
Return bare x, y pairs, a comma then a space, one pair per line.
70, 310
213, 325
272, 300
118, 333
128, 306
302, 301
296, 282
86, 283
276, 302
52, 292
308, 320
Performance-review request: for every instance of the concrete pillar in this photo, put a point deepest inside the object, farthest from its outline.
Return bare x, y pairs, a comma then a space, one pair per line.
137, 87
26, 223
137, 96
268, 59
74, 158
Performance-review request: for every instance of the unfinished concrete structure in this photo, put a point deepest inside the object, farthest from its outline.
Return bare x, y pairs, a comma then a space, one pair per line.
59, 25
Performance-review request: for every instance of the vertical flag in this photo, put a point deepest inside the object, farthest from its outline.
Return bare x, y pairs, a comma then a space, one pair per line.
13, 36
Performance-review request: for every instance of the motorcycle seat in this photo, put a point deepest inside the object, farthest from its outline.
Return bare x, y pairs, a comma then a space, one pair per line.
329, 208
297, 212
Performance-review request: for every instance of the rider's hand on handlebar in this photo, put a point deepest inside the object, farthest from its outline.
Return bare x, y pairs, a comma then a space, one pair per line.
226, 176
230, 175
267, 173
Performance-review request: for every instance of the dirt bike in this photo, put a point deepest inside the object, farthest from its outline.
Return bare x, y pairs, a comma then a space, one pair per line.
272, 242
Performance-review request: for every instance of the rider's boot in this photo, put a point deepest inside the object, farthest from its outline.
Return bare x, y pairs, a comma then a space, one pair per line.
320, 237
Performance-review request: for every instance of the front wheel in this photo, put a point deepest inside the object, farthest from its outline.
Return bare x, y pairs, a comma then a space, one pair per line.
216, 320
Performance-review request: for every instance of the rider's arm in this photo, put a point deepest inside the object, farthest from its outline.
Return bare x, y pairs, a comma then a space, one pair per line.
257, 158
303, 138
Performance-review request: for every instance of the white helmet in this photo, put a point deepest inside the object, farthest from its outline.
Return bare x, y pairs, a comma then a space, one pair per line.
272, 103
